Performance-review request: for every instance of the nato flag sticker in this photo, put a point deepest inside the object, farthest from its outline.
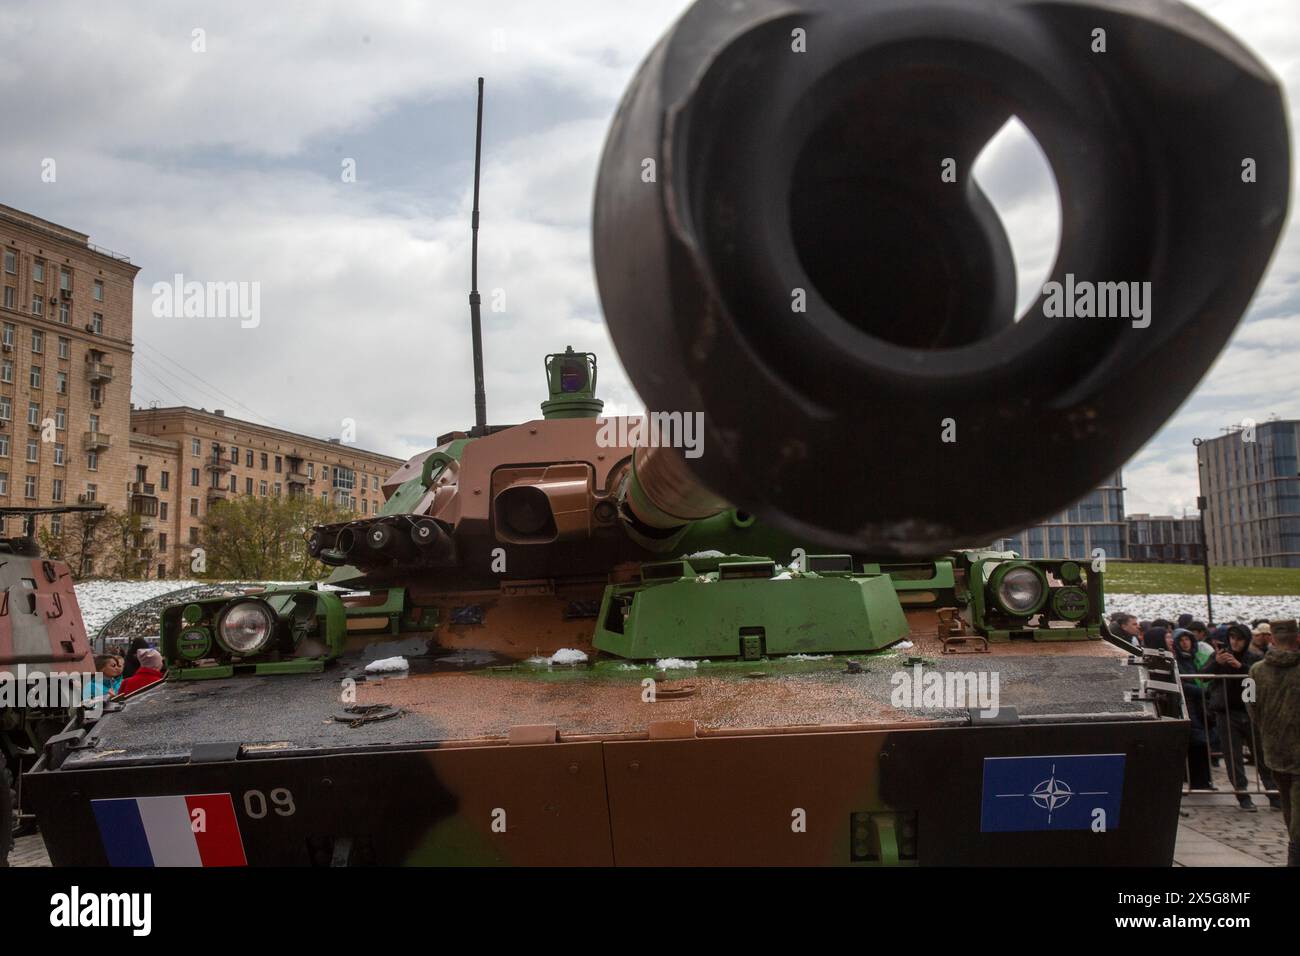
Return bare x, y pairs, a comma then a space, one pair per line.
1051, 793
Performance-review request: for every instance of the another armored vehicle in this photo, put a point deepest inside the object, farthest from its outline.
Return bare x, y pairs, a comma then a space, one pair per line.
44, 657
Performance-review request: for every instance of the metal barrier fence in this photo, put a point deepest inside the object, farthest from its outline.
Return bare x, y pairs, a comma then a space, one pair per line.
1227, 733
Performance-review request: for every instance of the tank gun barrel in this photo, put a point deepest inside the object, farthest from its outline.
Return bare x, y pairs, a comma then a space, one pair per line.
660, 498
787, 236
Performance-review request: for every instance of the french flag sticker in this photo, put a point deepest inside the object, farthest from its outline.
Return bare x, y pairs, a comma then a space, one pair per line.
195, 830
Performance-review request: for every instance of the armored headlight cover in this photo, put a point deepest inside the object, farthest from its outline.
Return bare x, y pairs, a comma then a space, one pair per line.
245, 626
1019, 589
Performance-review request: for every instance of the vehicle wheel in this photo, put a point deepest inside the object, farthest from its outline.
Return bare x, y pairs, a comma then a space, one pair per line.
8, 806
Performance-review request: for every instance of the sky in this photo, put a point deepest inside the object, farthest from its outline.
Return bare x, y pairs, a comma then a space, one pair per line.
227, 164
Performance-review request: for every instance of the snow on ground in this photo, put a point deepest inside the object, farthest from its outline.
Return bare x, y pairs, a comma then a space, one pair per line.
568, 655
101, 600
1227, 607
388, 665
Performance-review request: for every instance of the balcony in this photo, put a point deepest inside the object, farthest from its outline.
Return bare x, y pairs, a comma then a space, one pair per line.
217, 494
297, 478
98, 372
219, 465
143, 489
96, 441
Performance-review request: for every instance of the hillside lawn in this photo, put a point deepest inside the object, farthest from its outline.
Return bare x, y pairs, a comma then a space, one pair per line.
1124, 578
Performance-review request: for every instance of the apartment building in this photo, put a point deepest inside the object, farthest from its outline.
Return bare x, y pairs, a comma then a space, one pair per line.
1250, 480
65, 366
183, 461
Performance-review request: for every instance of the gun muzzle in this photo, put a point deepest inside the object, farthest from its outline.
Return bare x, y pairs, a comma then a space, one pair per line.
787, 236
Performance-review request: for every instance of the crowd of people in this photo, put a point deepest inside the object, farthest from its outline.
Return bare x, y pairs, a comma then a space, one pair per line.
1242, 687
117, 675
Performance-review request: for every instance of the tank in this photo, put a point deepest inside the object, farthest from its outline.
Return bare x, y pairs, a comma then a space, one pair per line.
758, 622
42, 635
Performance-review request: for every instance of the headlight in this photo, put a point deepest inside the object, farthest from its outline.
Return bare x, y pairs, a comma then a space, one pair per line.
245, 627
1019, 589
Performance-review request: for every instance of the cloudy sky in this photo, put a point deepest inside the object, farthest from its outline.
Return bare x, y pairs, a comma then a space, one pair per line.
226, 165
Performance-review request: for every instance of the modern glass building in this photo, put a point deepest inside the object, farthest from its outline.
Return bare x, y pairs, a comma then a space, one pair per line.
1164, 539
1251, 482
1095, 523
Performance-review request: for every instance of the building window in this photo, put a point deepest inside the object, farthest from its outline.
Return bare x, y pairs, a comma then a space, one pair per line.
8, 338
261, 488
38, 270
6, 408
97, 323
234, 484
35, 377
278, 464
194, 477
96, 394
4, 446
196, 447
98, 291
344, 478
264, 461
38, 341
60, 418
11, 261
64, 315
162, 541
33, 449
277, 489
56, 525
10, 296
325, 497
164, 479
65, 347
29, 486
248, 458
92, 461
94, 423
65, 280
4, 482
365, 507
162, 511
33, 413
248, 486
59, 449
374, 483
7, 371
194, 507
61, 383
56, 489
38, 305
234, 455
194, 535
91, 491
311, 469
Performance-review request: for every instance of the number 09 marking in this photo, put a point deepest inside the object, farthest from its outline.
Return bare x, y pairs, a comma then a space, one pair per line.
255, 803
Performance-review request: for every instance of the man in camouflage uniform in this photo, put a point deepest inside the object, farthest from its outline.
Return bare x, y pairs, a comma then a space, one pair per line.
1276, 712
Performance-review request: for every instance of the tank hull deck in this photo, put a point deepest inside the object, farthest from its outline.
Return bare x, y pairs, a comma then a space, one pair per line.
524, 764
